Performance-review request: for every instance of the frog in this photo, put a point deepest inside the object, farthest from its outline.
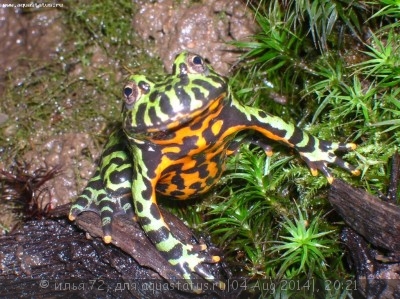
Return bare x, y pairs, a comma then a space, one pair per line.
176, 136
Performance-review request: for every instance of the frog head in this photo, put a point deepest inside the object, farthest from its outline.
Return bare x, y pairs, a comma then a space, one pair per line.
192, 89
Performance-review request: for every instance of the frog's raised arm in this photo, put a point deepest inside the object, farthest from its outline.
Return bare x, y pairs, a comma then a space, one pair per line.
108, 192
315, 152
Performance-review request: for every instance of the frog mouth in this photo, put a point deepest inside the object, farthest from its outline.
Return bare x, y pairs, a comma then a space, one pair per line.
164, 128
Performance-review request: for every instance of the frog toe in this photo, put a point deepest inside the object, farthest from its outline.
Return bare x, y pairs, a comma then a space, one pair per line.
73, 212
107, 239
202, 271
192, 274
345, 147
109, 208
106, 223
326, 172
346, 166
323, 168
80, 205
72, 216
198, 247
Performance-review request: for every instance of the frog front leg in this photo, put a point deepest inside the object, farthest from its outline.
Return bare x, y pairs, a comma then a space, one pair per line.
317, 153
108, 192
186, 258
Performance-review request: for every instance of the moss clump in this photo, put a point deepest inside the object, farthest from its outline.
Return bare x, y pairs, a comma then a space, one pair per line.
335, 66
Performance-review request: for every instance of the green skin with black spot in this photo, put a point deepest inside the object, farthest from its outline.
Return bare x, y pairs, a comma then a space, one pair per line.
176, 134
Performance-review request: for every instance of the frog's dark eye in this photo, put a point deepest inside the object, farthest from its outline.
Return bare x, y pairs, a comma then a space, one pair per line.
196, 65
128, 91
131, 93
134, 90
197, 60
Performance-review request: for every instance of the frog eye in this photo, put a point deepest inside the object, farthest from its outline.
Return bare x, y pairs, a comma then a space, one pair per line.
196, 64
197, 60
131, 93
144, 86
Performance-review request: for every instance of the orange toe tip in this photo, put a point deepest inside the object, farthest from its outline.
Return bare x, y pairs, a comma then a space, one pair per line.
71, 217
107, 239
197, 291
216, 259
356, 172
330, 179
352, 146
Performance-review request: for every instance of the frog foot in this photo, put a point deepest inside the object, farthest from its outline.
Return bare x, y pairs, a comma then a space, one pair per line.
107, 208
82, 204
190, 260
323, 154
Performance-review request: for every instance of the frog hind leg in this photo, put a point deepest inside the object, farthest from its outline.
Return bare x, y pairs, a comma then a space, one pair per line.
187, 259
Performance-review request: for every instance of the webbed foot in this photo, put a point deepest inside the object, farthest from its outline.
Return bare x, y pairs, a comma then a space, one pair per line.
190, 260
324, 154
107, 207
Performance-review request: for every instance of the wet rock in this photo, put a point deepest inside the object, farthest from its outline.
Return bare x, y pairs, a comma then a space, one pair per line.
75, 154
204, 27
27, 35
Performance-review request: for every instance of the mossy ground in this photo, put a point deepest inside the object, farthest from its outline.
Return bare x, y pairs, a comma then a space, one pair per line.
80, 89
335, 65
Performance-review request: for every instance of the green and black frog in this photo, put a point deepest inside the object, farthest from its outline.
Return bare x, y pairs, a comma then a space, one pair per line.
176, 135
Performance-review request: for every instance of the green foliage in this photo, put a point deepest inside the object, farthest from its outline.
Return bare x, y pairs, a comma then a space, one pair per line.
321, 17
243, 218
338, 85
335, 66
304, 249
249, 219
390, 8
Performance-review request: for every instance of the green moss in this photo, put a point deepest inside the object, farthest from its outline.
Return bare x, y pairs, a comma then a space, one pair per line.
339, 84
79, 90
